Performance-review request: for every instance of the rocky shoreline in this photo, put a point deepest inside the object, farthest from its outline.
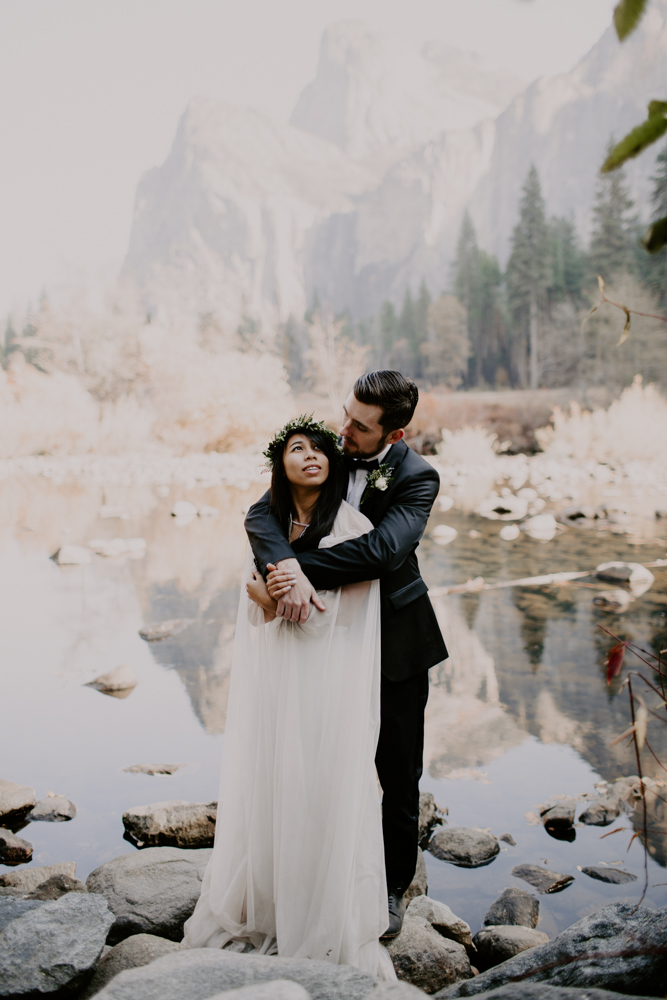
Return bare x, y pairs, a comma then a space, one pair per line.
117, 937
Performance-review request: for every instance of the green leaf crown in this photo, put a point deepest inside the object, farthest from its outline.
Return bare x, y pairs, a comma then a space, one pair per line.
304, 424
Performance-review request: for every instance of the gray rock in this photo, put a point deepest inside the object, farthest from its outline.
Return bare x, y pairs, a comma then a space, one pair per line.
132, 953
52, 809
11, 892
425, 958
13, 849
608, 806
54, 945
430, 816
164, 630
29, 878
542, 879
463, 847
152, 891
419, 884
277, 989
441, 918
395, 991
514, 906
201, 973
12, 909
507, 838
617, 601
559, 815
614, 875
153, 768
543, 991
498, 943
119, 679
620, 947
15, 800
57, 886
620, 572
172, 824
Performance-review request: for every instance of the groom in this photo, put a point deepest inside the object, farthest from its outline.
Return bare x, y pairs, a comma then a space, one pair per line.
395, 488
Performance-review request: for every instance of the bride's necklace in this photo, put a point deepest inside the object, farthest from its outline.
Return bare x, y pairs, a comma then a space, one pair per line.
299, 524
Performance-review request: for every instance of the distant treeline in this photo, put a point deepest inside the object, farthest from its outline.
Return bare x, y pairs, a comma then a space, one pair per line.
523, 328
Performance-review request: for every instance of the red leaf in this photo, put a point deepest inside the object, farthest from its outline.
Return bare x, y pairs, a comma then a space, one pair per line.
615, 661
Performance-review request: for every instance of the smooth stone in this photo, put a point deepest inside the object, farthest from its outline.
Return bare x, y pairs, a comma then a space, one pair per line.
544, 991
201, 973
15, 800
277, 989
52, 809
71, 555
132, 953
153, 768
541, 527
498, 943
152, 891
57, 886
164, 630
119, 679
13, 849
638, 577
443, 534
616, 601
430, 815
507, 838
172, 824
620, 947
425, 958
542, 879
183, 508
441, 918
419, 884
510, 532
559, 815
607, 807
514, 906
613, 875
29, 878
54, 946
463, 847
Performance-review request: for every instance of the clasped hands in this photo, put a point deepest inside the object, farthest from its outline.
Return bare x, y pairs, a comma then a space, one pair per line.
290, 587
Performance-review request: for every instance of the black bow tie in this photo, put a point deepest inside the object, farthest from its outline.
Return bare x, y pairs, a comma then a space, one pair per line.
361, 463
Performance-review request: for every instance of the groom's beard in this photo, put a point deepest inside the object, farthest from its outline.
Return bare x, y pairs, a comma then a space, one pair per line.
356, 452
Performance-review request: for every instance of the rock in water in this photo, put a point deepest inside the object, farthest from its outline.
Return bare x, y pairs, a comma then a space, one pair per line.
183, 508
441, 919
152, 891
514, 906
613, 875
13, 850
57, 886
430, 815
559, 816
507, 838
608, 806
132, 953
638, 578
153, 768
419, 884
53, 945
463, 847
52, 809
29, 878
172, 824
616, 601
71, 555
620, 947
424, 958
119, 679
543, 880
498, 943
15, 801
164, 630
201, 973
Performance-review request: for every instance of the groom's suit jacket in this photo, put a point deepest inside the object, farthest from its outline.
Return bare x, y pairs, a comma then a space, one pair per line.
411, 638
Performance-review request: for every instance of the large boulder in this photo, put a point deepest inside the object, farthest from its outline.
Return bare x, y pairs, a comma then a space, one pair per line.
132, 953
28, 879
620, 947
606, 807
425, 958
172, 824
543, 991
152, 891
441, 918
498, 943
51, 946
463, 847
277, 989
15, 801
201, 973
514, 906
419, 884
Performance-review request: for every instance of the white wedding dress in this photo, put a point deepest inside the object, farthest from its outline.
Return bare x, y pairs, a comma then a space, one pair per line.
298, 864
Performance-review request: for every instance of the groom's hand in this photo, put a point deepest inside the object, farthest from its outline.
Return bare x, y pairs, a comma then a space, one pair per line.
289, 585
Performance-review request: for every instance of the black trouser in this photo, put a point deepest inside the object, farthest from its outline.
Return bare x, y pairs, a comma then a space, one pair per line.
399, 766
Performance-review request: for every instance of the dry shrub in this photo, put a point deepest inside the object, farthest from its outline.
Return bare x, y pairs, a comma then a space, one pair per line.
468, 446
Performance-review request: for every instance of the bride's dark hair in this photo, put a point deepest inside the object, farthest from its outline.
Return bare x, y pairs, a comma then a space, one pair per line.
331, 492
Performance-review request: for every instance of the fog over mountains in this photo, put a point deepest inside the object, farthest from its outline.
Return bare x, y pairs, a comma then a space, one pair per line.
363, 192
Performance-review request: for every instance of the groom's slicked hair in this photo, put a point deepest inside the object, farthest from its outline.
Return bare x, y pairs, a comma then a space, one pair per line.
394, 393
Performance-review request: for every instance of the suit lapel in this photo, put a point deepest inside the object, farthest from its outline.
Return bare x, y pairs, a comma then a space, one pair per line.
374, 498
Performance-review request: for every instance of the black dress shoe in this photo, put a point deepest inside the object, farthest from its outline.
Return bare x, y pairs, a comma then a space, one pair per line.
396, 914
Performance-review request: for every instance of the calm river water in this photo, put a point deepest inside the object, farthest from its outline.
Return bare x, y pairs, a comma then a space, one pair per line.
519, 714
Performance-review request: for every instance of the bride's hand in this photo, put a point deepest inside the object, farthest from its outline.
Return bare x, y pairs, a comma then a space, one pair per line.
279, 582
257, 591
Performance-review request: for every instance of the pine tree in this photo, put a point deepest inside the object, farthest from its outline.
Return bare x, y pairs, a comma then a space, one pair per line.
653, 269
568, 264
613, 240
528, 277
403, 355
476, 281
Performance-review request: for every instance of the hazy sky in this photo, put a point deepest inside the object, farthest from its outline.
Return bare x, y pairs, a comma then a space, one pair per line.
91, 92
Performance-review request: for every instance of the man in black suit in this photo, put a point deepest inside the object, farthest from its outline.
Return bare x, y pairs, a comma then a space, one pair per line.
398, 499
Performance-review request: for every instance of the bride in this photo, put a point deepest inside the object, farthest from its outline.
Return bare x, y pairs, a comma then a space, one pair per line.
298, 865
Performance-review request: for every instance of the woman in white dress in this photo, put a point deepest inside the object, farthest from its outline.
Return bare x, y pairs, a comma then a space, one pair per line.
298, 864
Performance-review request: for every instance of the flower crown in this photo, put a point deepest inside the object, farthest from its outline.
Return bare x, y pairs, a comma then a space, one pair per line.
303, 423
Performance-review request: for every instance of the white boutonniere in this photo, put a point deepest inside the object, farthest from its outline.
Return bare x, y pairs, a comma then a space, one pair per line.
379, 479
